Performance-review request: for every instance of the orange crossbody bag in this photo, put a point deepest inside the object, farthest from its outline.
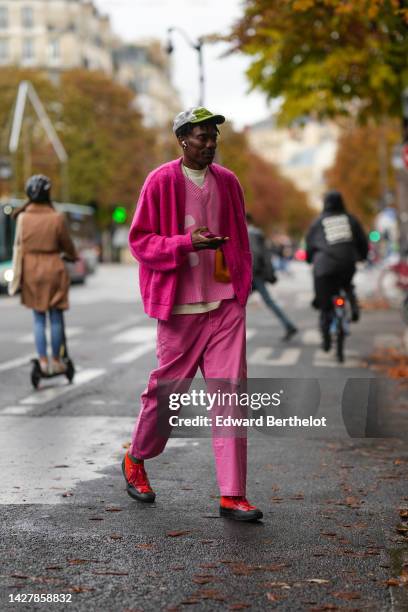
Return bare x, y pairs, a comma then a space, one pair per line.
221, 272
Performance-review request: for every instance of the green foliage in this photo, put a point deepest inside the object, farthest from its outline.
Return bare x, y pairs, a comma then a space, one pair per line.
327, 57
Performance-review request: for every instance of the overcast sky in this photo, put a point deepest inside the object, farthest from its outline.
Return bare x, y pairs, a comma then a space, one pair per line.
226, 85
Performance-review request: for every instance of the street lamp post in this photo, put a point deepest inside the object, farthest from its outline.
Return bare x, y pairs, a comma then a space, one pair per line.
197, 46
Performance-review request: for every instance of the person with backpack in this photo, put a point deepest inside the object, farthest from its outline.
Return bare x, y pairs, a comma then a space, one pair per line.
334, 243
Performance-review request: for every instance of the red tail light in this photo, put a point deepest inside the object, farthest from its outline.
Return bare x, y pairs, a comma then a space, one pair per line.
339, 301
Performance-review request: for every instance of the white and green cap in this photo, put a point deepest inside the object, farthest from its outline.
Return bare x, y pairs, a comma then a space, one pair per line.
196, 115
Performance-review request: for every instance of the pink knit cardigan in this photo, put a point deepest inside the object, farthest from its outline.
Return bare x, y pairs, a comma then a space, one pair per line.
157, 239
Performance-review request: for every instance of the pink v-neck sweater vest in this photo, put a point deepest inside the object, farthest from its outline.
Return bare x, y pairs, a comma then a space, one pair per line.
196, 282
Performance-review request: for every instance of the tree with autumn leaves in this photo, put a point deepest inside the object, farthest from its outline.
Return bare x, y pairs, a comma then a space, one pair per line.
327, 58
334, 59
110, 151
273, 200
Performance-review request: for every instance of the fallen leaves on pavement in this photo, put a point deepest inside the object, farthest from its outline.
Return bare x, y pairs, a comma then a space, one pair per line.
392, 362
177, 534
347, 595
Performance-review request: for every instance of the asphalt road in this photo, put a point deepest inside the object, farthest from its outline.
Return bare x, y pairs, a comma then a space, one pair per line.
331, 503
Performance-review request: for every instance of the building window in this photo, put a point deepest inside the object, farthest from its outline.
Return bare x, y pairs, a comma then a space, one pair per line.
3, 50
3, 18
27, 16
28, 49
54, 50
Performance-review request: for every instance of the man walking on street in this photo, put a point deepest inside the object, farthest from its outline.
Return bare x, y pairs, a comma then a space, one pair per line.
190, 238
263, 272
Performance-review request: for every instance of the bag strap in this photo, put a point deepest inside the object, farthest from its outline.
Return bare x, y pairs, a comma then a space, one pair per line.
18, 238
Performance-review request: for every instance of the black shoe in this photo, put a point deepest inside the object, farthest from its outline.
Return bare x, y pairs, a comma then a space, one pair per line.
355, 308
289, 334
326, 342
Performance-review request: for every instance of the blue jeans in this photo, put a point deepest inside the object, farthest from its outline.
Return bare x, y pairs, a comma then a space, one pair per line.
57, 332
259, 285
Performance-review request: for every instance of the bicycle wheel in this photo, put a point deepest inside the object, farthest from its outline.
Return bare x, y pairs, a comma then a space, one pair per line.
340, 336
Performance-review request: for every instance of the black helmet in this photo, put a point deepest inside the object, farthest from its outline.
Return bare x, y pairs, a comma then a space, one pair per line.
38, 188
333, 202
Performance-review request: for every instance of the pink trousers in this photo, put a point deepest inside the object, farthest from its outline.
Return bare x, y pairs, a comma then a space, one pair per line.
215, 342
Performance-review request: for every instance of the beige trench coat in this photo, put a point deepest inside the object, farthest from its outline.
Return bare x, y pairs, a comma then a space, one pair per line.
45, 280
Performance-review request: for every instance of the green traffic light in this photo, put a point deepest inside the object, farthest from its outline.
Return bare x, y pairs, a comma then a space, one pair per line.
375, 236
119, 215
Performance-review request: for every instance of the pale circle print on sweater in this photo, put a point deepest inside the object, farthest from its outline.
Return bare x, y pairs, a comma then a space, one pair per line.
189, 221
193, 258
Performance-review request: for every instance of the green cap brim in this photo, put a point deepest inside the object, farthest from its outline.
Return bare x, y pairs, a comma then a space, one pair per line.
218, 119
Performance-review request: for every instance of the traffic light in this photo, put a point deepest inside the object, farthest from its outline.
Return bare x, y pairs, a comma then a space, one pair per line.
374, 236
119, 215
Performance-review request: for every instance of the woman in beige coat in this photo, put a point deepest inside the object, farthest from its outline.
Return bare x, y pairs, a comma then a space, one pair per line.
45, 280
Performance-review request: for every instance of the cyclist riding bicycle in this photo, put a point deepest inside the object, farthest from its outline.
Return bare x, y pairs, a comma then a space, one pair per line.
334, 243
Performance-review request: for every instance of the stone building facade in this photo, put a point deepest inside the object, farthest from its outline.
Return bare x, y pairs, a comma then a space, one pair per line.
58, 35
55, 35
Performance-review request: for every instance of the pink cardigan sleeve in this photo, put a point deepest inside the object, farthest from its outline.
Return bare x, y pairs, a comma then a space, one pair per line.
157, 252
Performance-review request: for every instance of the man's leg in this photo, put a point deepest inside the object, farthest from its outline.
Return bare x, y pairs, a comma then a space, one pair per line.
272, 305
325, 288
347, 284
225, 358
179, 348
178, 351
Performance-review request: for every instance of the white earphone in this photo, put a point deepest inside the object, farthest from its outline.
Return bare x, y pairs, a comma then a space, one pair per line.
184, 144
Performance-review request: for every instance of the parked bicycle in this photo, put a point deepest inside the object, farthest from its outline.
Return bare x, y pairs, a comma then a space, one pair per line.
393, 285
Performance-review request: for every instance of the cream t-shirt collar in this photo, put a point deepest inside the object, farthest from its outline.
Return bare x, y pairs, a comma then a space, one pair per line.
197, 176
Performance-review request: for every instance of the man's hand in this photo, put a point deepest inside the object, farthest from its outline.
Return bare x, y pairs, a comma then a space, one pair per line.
202, 238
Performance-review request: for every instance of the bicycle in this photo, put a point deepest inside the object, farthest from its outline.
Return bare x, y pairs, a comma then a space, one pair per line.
393, 285
340, 323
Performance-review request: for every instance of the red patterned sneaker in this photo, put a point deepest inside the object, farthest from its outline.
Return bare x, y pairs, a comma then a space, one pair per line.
137, 482
239, 509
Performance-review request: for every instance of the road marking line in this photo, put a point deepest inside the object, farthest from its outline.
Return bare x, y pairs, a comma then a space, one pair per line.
250, 333
70, 332
119, 325
16, 410
328, 360
311, 337
45, 395
134, 353
136, 335
261, 356
15, 363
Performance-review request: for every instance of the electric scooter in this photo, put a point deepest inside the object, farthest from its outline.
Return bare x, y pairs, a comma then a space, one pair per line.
37, 373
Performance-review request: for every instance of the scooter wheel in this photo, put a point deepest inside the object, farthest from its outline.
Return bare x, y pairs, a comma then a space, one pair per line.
70, 373
35, 375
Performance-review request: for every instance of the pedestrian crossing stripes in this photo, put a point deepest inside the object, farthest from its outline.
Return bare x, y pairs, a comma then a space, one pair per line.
262, 356
70, 332
45, 395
